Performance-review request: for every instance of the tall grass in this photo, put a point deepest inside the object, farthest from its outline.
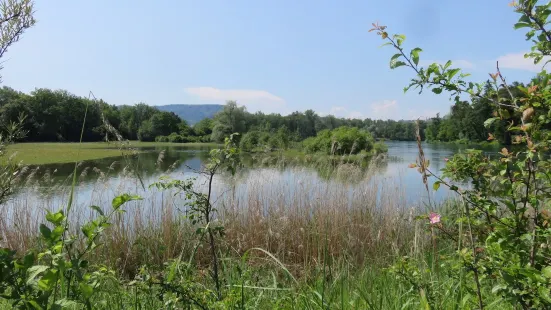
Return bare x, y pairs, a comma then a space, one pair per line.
329, 238
291, 213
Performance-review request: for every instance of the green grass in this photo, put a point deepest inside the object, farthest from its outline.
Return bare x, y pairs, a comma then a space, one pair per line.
55, 153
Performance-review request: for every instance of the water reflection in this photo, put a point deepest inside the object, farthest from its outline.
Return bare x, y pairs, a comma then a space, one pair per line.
180, 161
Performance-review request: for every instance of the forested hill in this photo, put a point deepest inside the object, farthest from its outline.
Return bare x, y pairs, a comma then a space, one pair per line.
192, 113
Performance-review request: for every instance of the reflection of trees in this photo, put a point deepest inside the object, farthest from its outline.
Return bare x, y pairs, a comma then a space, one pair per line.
345, 169
150, 162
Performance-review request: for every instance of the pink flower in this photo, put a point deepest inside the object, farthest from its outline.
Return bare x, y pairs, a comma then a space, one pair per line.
446, 159
434, 218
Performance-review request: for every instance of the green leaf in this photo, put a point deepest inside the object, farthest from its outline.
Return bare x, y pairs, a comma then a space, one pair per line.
546, 272
28, 260
98, 209
415, 55
122, 199
543, 291
88, 229
399, 39
45, 231
57, 232
436, 185
424, 302
34, 271
454, 188
497, 288
55, 218
490, 121
448, 64
437, 90
396, 64
521, 25
524, 19
35, 305
48, 280
395, 56
452, 73
86, 290
65, 304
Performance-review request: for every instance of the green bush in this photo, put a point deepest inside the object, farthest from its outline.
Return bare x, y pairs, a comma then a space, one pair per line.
262, 139
249, 140
379, 148
342, 140
175, 138
161, 139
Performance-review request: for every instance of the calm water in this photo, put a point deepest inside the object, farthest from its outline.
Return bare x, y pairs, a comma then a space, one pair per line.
101, 179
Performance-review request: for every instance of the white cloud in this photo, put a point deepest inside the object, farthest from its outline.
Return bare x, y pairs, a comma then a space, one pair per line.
415, 114
386, 109
343, 112
355, 115
458, 63
254, 100
383, 106
461, 63
337, 110
211, 93
517, 61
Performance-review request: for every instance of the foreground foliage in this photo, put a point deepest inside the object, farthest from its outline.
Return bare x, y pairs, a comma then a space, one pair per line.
502, 232
488, 250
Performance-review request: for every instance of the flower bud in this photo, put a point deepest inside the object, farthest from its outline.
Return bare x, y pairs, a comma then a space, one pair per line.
527, 114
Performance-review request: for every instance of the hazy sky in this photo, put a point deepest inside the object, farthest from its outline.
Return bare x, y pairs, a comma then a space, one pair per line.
274, 56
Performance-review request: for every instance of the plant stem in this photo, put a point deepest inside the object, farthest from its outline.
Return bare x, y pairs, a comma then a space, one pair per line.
212, 241
475, 260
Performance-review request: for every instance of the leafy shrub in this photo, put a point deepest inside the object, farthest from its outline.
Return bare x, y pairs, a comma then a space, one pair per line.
502, 231
379, 148
175, 138
261, 139
342, 140
34, 280
281, 139
249, 140
161, 139
320, 143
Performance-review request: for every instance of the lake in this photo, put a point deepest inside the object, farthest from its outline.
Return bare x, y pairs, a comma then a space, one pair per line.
100, 180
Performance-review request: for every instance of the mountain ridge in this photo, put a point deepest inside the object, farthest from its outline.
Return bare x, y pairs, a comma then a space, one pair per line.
192, 113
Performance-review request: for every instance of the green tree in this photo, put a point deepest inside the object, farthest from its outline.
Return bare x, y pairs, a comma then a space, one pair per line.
16, 16
204, 127
164, 123
146, 131
230, 120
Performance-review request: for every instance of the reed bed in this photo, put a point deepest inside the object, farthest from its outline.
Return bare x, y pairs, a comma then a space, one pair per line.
331, 226
285, 208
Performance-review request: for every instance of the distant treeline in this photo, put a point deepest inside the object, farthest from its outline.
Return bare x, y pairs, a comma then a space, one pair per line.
472, 122
57, 115
303, 125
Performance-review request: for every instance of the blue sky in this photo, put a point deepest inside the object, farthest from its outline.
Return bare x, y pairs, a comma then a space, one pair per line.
274, 56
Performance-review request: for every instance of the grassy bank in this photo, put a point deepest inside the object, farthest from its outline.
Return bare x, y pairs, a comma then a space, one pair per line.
464, 142
52, 153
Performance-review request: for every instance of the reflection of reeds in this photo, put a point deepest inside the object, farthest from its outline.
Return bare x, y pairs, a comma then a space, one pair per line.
288, 212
